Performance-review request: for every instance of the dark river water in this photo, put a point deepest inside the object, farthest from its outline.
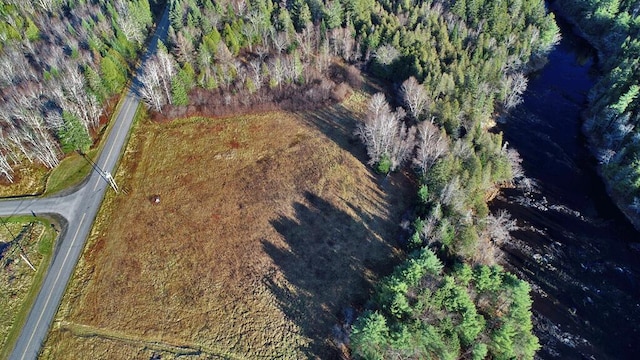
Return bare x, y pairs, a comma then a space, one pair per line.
572, 245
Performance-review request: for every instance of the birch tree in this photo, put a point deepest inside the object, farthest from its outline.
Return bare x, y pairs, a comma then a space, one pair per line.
389, 142
515, 85
415, 97
431, 145
156, 79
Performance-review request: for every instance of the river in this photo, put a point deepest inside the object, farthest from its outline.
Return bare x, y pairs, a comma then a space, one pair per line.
573, 245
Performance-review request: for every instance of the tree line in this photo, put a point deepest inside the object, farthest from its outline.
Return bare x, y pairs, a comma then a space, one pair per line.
259, 47
452, 66
477, 66
613, 114
60, 61
247, 51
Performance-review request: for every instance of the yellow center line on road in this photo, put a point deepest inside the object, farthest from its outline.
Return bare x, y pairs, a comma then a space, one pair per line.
55, 282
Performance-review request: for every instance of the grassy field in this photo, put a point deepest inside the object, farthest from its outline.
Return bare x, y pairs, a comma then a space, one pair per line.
71, 171
268, 227
19, 284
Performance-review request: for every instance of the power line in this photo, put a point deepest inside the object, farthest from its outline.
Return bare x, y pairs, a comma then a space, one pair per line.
104, 174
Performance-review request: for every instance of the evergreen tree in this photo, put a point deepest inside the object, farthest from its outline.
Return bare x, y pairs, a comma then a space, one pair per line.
73, 135
333, 15
179, 95
113, 78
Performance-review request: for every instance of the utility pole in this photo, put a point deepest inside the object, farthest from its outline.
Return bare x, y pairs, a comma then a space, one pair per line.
111, 181
104, 174
23, 254
24, 257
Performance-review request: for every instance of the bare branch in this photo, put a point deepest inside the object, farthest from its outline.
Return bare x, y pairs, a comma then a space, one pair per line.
384, 134
432, 144
415, 97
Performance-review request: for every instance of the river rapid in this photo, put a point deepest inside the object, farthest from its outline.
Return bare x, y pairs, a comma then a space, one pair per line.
573, 245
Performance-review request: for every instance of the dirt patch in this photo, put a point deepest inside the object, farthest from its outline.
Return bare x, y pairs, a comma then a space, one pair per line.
267, 229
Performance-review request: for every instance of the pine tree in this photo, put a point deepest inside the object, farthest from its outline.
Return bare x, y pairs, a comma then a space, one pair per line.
333, 14
112, 77
231, 39
179, 95
73, 135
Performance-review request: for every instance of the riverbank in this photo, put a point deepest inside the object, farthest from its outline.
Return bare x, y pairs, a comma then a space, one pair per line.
571, 244
620, 198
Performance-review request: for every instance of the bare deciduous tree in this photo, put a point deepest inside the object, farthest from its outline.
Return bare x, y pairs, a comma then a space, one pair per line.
323, 58
386, 54
223, 54
498, 227
430, 233
5, 168
453, 195
515, 162
73, 97
47, 5
635, 205
307, 42
151, 89
276, 71
415, 97
35, 138
41, 75
132, 29
486, 252
156, 80
384, 134
462, 149
515, 85
280, 40
183, 49
342, 43
402, 144
256, 72
432, 144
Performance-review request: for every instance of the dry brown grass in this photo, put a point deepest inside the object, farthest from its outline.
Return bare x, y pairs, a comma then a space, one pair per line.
28, 179
268, 227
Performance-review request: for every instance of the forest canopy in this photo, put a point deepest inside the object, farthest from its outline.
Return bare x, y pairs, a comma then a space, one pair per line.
61, 61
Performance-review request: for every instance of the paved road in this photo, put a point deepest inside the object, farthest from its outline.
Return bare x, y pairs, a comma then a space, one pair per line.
76, 212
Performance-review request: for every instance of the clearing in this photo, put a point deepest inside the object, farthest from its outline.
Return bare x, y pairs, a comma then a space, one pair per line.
268, 227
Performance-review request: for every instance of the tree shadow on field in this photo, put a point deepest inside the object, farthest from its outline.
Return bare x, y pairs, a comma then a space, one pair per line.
326, 269
339, 124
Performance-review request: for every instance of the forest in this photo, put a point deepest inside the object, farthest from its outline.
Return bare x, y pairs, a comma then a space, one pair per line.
611, 121
62, 62
450, 68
